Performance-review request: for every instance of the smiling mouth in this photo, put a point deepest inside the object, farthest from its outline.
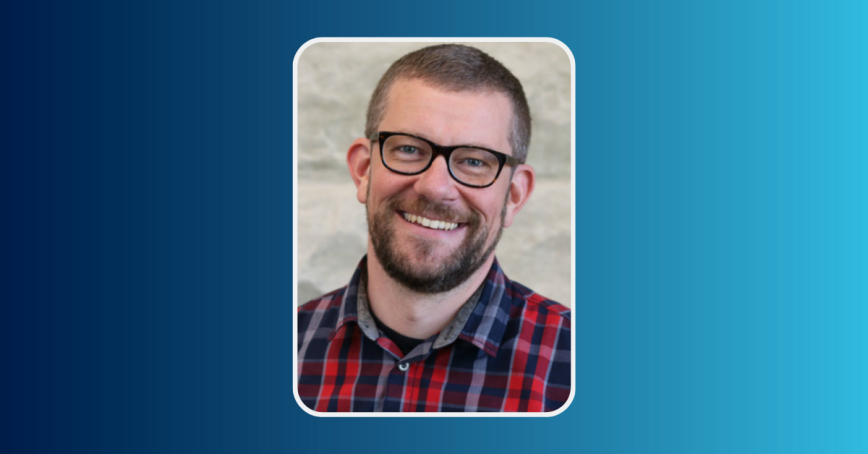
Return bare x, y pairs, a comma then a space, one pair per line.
429, 223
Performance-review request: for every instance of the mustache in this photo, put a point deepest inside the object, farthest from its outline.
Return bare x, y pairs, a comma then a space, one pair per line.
426, 208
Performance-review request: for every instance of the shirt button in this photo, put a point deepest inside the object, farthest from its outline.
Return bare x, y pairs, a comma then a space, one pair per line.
403, 367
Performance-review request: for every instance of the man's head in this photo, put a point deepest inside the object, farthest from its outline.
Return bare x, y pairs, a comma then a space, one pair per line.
419, 253
457, 68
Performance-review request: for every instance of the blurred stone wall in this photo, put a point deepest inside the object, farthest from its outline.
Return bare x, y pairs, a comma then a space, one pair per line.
335, 82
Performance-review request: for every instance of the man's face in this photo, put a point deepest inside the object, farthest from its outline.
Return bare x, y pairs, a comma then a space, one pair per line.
426, 259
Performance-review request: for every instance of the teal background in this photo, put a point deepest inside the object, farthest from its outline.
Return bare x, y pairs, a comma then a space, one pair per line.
721, 254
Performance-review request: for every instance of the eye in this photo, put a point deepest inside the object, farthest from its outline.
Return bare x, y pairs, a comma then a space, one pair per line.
474, 164
408, 149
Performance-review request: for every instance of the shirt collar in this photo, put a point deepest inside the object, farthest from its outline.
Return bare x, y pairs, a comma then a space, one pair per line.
480, 321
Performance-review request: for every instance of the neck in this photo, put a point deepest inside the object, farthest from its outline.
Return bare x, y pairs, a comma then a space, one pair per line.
414, 314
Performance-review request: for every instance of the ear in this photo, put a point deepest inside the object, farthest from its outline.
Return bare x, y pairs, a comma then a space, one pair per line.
359, 163
520, 189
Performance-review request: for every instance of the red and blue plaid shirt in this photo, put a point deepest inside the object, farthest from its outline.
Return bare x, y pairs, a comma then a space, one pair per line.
507, 350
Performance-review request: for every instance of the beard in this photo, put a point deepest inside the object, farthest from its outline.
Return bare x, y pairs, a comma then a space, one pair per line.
441, 275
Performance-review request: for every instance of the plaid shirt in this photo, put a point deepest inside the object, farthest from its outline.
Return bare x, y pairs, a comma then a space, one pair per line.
508, 349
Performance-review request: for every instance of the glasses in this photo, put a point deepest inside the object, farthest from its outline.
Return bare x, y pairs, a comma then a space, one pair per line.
471, 166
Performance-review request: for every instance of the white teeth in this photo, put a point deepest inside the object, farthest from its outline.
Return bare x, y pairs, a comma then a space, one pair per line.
439, 225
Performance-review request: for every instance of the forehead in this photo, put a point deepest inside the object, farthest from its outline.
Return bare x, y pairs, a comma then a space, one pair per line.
481, 118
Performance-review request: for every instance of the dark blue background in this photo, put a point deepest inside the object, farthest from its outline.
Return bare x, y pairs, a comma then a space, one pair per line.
721, 258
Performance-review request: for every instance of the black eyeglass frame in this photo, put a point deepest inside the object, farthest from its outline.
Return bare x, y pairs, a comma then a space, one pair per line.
437, 150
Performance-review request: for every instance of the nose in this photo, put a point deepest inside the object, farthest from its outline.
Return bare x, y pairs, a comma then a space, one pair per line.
435, 183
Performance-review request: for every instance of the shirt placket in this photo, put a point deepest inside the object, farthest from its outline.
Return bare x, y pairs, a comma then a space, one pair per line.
403, 384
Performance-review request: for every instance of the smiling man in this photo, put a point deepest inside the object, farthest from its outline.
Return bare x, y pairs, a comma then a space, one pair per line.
429, 321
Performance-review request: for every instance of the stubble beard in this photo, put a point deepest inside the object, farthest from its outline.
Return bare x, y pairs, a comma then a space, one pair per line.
443, 274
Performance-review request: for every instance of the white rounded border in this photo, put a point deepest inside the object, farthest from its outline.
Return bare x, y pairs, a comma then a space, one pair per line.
572, 223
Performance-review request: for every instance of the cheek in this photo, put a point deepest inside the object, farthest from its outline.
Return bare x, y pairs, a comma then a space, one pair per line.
492, 216
493, 206
379, 195
384, 185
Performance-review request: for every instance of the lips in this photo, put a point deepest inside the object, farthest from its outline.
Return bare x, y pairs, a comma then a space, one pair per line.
434, 224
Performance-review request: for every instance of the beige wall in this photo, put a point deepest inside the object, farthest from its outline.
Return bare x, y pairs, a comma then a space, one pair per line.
335, 82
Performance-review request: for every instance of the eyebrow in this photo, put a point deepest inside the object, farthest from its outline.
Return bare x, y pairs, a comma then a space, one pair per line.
465, 144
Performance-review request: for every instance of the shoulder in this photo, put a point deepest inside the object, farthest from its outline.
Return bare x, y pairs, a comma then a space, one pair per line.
527, 303
324, 302
321, 311
538, 338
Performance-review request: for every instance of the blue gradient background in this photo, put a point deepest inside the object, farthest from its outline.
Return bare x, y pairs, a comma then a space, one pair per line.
721, 227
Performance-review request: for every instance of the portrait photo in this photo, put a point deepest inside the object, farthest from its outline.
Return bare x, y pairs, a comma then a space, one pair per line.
433, 214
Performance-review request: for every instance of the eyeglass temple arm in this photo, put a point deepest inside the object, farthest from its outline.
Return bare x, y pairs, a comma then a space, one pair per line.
512, 161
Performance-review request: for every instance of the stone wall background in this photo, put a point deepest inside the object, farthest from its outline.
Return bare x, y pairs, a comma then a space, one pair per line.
335, 82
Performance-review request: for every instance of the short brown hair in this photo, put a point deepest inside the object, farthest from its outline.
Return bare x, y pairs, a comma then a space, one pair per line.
456, 67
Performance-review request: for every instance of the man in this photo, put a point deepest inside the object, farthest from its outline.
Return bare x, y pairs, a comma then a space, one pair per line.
429, 321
